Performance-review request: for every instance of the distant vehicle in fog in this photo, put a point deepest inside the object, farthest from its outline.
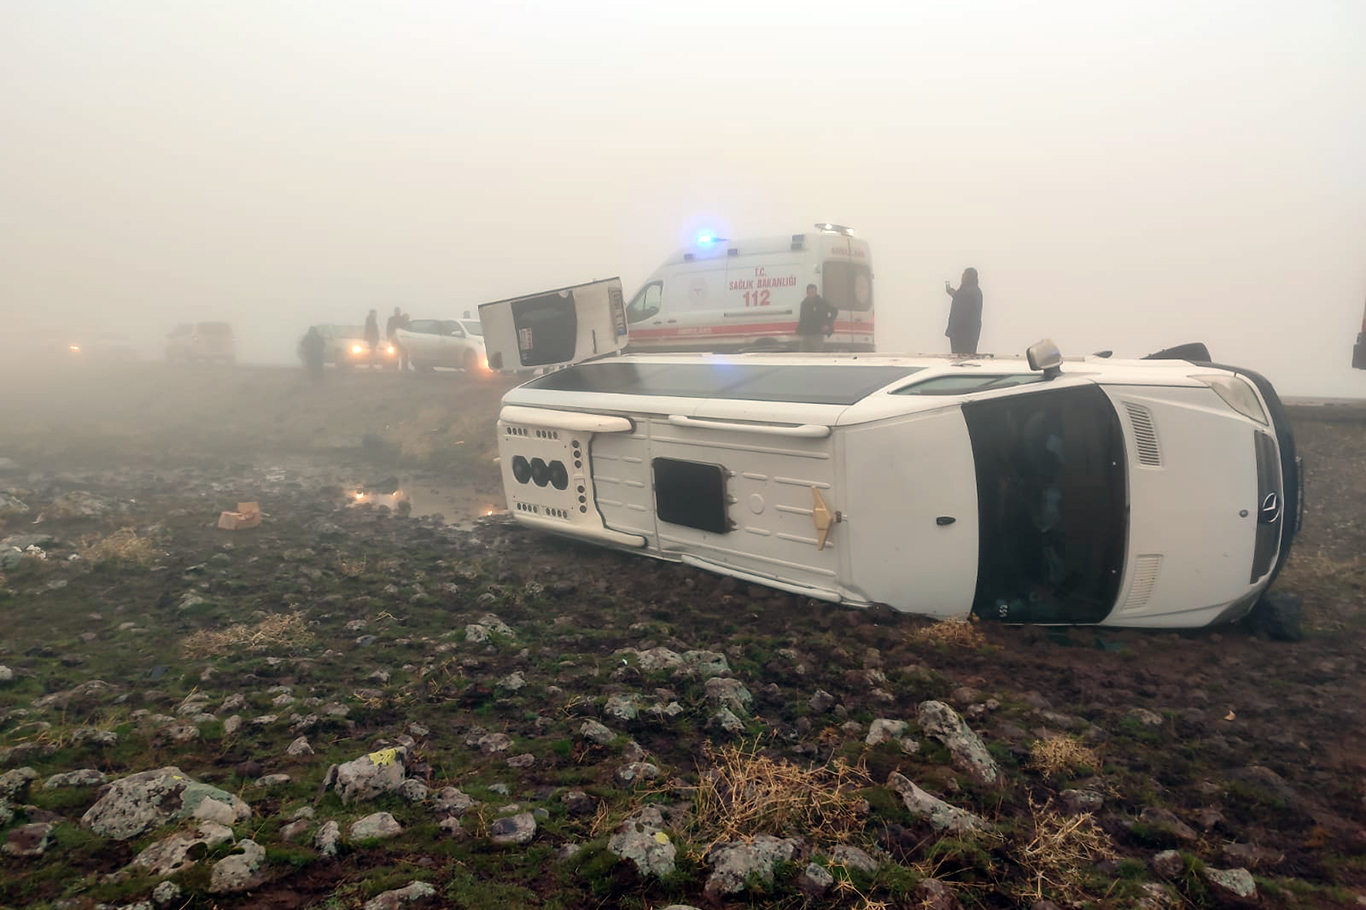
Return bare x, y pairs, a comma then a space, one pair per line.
345, 346
445, 343
203, 341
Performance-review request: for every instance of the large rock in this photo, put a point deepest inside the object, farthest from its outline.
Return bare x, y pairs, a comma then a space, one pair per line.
738, 863
641, 839
172, 854
969, 754
596, 733
411, 895
932, 894
137, 803
884, 729
29, 840
620, 708
327, 838
854, 858
376, 825
814, 882
371, 775
513, 829
239, 872
940, 814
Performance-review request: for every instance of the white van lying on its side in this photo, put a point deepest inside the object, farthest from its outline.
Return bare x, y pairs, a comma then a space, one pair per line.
1142, 493
720, 294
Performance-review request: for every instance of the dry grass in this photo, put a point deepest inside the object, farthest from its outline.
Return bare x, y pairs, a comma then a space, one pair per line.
952, 633
744, 793
1062, 849
1061, 753
124, 545
286, 631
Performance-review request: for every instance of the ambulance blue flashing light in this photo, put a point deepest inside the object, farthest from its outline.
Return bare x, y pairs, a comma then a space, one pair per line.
707, 237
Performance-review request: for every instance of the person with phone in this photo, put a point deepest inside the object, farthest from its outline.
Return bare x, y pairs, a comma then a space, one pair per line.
965, 314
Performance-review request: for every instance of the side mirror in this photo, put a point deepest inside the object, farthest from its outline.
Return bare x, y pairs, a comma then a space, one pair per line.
1045, 355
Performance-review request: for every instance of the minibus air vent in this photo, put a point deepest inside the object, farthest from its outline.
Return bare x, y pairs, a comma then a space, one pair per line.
1146, 570
1145, 435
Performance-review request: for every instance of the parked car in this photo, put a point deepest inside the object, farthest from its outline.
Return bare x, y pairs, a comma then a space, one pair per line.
1136, 493
206, 341
445, 343
345, 346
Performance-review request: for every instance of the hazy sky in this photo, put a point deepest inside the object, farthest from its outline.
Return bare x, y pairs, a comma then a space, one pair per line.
1124, 175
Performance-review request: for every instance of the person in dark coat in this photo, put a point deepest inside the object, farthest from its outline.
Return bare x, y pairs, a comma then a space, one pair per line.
817, 320
311, 353
965, 314
372, 331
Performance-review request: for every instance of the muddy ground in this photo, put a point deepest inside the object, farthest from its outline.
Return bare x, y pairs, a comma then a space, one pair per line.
358, 629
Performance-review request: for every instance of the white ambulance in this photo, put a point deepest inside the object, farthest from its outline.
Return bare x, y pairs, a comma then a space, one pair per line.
736, 295
1162, 492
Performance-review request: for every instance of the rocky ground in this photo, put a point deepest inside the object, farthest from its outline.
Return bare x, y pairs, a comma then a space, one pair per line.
350, 706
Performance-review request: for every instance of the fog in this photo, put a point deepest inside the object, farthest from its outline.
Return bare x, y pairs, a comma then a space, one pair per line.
1123, 175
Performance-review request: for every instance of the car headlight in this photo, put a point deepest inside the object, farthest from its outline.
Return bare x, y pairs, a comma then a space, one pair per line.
390, 349
74, 348
357, 349
1237, 394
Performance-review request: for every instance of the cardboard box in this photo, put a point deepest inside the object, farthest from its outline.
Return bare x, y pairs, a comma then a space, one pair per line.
248, 515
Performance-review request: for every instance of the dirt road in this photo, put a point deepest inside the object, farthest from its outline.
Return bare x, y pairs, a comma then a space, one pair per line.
581, 703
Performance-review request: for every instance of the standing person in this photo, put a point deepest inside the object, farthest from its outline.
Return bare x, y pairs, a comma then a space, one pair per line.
965, 314
311, 353
403, 323
817, 321
372, 331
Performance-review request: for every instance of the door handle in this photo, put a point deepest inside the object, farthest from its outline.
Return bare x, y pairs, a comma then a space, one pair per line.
805, 431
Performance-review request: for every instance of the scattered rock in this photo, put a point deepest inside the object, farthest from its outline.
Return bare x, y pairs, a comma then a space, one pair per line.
137, 803
411, 895
1079, 802
513, 682
932, 894
14, 784
299, 747
737, 863
329, 835
882, 730
1236, 884
821, 702
854, 858
641, 840
1145, 717
273, 780
814, 882
513, 829
295, 829
29, 840
238, 872
451, 801
620, 708
1168, 823
414, 791
521, 762
726, 721
375, 825
969, 754
1168, 864
172, 854
596, 733
940, 814
1155, 897
166, 893
635, 772
371, 775
6, 674
729, 693
452, 827
1277, 615
1249, 856
494, 743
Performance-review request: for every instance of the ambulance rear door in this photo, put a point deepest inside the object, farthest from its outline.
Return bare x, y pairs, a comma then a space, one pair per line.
555, 328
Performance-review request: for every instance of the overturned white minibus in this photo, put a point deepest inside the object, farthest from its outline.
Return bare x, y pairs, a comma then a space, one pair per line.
1141, 493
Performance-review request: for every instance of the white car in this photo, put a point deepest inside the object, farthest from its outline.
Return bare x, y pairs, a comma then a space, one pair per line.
1135, 493
445, 343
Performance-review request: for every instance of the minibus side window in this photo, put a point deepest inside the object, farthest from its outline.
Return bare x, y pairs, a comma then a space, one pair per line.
646, 303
